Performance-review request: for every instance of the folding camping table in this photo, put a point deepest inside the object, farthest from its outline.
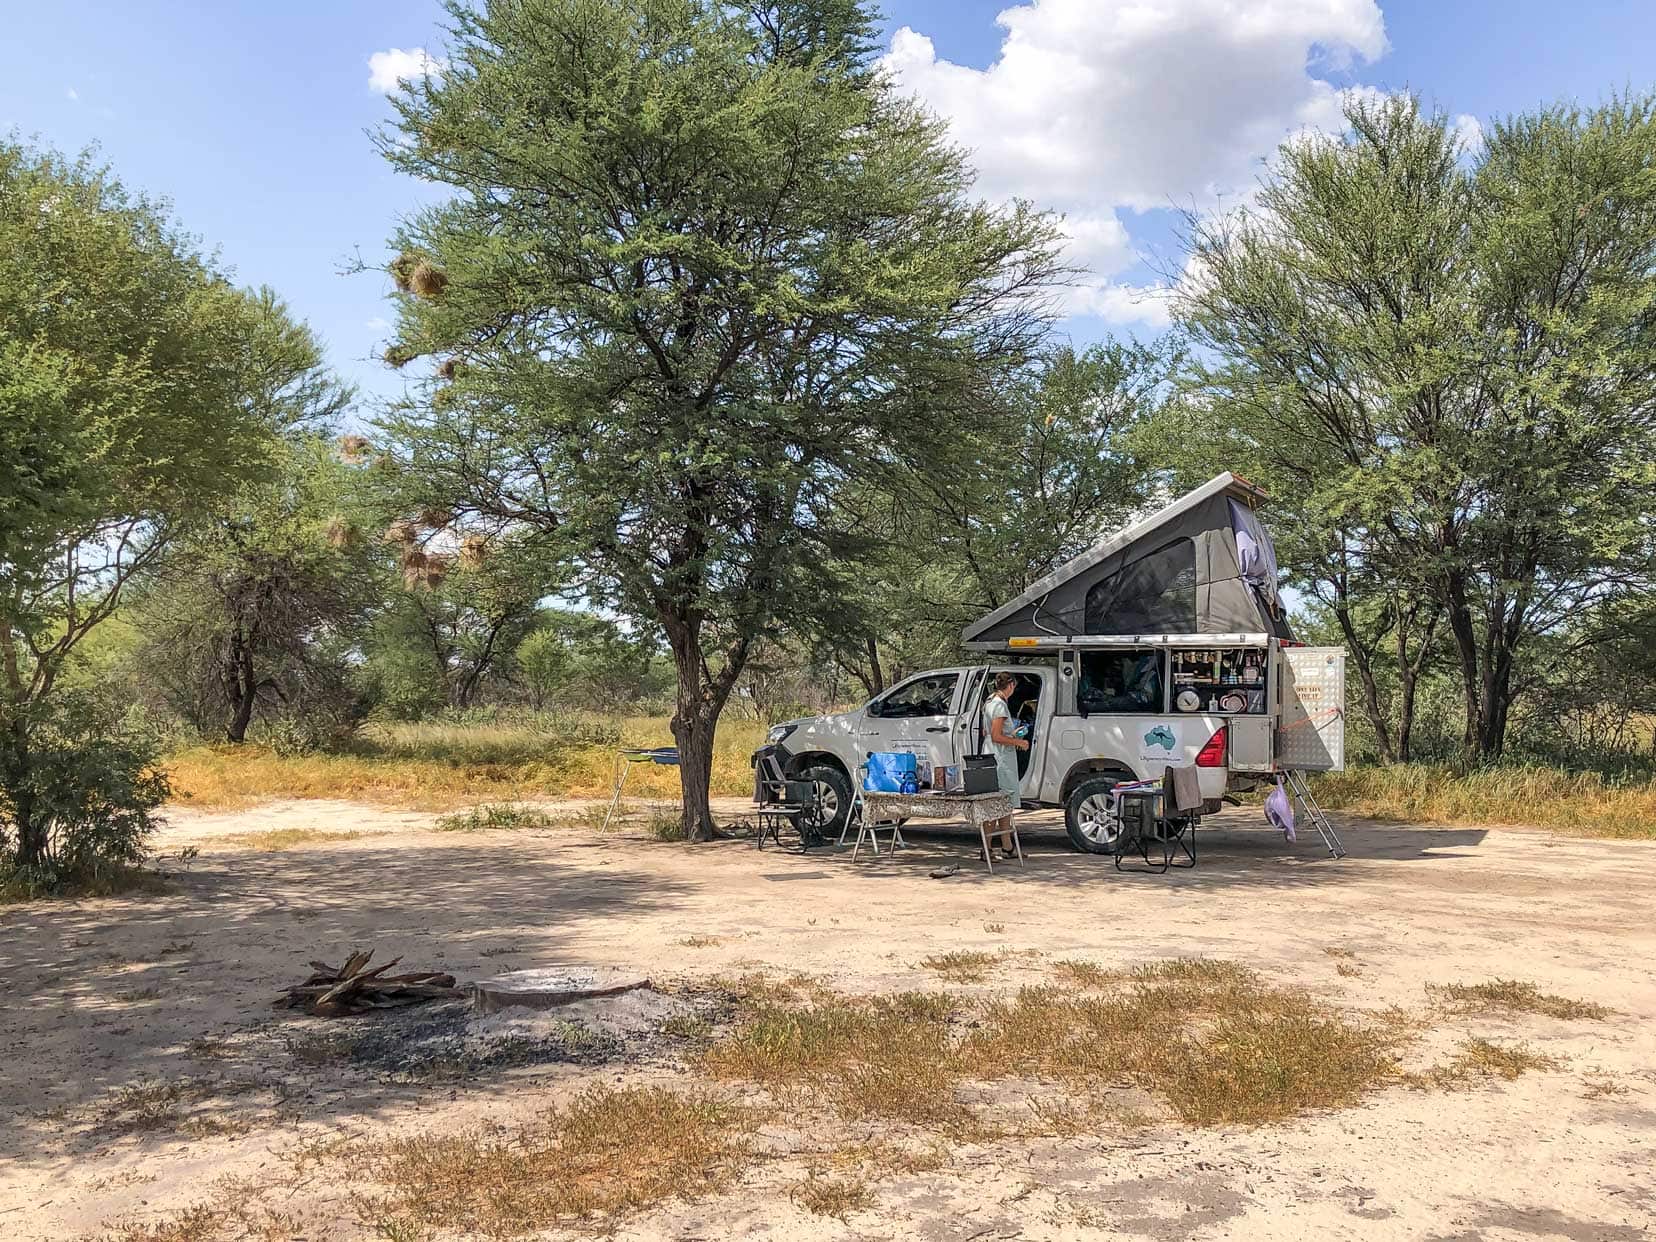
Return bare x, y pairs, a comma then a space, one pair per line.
975, 809
666, 756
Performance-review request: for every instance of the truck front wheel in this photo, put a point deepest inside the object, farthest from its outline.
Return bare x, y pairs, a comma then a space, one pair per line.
1092, 827
834, 792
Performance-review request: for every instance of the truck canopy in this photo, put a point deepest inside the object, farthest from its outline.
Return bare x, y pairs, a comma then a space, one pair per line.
1202, 565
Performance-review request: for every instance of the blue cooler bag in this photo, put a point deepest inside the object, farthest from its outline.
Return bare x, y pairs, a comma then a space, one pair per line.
886, 771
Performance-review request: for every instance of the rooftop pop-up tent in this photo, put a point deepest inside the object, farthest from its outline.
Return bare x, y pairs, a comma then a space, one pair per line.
1201, 565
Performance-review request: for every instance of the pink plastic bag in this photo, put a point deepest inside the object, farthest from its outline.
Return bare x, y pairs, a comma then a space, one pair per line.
1279, 811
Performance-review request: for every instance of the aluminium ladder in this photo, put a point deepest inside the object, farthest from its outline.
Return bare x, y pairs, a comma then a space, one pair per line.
1301, 789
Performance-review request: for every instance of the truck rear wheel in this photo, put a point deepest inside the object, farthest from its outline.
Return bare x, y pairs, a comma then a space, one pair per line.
834, 790
1092, 828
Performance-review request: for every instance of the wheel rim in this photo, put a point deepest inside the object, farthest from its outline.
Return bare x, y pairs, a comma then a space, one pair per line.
828, 802
1095, 822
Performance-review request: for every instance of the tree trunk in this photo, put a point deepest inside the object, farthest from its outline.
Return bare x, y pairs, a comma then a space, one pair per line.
1408, 676
878, 675
693, 732
1466, 645
701, 696
242, 688
1497, 705
32, 837
1405, 712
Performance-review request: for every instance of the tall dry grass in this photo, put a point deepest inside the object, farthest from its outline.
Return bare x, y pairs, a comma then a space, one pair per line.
439, 766
1578, 803
442, 765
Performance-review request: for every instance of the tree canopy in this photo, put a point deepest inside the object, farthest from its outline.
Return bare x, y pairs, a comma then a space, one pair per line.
702, 272
138, 387
1446, 360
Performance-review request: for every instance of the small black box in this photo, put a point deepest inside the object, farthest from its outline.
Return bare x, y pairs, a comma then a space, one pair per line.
978, 775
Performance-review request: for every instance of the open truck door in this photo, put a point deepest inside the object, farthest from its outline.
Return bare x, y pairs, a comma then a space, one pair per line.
1310, 722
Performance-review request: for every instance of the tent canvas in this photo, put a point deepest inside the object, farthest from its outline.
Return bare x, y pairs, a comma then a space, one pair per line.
1203, 564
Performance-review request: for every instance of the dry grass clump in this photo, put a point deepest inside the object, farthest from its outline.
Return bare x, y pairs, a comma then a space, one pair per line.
147, 1106
1513, 996
962, 966
832, 1196
664, 823
1084, 974
438, 766
496, 816
1217, 1044
612, 1150
150, 1105
275, 840
1214, 1042
1579, 803
1598, 1085
886, 1058
1480, 1060
237, 1213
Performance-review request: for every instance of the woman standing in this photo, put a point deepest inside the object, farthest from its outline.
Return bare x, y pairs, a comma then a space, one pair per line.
998, 717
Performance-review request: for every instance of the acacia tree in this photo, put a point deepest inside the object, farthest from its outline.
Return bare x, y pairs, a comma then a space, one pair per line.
703, 268
136, 388
452, 630
1450, 357
584, 660
258, 611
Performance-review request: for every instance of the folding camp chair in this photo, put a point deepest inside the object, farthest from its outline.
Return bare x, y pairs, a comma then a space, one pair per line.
778, 801
1159, 816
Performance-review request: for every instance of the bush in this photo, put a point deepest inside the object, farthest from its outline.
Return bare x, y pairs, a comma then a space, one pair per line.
78, 787
293, 737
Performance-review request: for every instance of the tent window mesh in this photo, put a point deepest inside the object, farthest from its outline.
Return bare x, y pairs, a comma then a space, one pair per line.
1155, 594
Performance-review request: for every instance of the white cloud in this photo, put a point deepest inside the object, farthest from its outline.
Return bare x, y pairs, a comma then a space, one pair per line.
377, 324
1095, 107
1149, 305
389, 68
73, 94
1468, 132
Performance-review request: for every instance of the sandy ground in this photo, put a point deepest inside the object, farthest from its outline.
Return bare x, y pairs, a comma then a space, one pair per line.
103, 996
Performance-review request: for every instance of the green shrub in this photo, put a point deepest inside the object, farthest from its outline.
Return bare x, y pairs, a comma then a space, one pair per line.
78, 788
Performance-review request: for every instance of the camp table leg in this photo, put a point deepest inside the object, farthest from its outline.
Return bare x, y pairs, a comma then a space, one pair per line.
615, 798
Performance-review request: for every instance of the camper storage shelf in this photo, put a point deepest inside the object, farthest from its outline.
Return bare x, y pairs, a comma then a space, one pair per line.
1220, 680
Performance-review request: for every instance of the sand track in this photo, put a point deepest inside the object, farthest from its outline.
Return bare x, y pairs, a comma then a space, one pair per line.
105, 997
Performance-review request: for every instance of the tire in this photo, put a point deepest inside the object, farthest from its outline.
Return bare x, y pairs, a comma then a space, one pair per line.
834, 788
1091, 830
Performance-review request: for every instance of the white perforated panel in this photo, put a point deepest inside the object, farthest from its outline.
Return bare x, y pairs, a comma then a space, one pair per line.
1311, 730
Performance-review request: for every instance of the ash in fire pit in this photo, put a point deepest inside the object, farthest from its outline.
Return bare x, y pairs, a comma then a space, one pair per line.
552, 988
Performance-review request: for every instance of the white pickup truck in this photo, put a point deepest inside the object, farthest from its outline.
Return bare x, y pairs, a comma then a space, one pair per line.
1239, 706
1166, 643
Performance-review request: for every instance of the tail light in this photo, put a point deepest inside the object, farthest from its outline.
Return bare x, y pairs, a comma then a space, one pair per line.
1212, 754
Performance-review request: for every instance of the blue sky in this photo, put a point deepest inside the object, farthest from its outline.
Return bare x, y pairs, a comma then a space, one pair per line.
252, 116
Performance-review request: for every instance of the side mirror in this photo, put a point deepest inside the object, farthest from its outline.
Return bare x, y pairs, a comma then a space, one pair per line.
875, 708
